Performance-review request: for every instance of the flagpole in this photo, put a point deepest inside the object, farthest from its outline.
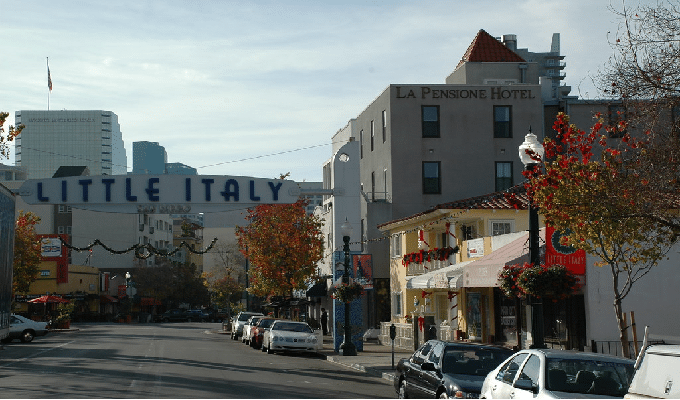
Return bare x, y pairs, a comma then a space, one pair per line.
49, 84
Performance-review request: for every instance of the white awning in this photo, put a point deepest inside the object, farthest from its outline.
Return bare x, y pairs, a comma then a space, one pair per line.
444, 278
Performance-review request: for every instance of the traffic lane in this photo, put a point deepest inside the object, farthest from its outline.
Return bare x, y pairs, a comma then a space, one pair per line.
179, 360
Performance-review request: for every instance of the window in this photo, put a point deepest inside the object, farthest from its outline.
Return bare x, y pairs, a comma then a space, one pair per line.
396, 303
501, 227
431, 177
361, 143
373, 186
384, 125
532, 370
502, 121
430, 119
372, 135
395, 246
503, 175
509, 370
61, 230
617, 113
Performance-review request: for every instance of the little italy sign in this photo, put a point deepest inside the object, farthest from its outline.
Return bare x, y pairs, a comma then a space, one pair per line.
163, 194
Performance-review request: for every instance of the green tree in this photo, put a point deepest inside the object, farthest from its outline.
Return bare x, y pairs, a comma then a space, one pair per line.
26, 252
599, 191
283, 244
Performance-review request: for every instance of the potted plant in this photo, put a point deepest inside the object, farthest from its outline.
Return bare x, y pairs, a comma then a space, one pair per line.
64, 312
347, 292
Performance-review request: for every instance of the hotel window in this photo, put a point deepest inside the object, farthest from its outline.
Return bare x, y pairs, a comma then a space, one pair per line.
617, 113
432, 177
503, 176
502, 121
430, 120
372, 135
384, 125
373, 186
361, 144
501, 227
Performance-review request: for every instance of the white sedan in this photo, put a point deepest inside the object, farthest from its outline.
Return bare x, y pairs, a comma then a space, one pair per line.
290, 336
555, 374
24, 329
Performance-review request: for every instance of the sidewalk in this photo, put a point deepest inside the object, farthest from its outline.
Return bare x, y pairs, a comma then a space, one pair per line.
375, 360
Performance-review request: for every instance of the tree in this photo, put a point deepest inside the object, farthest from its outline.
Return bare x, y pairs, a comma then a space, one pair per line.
26, 252
12, 132
600, 193
224, 290
283, 244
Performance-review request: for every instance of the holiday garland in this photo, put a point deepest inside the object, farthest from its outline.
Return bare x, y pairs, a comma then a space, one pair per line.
139, 248
429, 255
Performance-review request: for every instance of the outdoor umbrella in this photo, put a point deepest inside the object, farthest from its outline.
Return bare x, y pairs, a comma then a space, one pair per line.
48, 299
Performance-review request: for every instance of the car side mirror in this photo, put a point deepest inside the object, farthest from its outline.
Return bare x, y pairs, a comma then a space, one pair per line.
428, 366
526, 384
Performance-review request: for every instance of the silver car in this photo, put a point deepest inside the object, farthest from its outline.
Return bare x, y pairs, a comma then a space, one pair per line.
554, 374
24, 329
290, 336
238, 322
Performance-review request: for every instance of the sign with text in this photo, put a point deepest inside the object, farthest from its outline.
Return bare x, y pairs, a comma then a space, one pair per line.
162, 194
558, 253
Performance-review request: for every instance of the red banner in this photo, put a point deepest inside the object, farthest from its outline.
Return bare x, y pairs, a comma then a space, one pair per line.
558, 253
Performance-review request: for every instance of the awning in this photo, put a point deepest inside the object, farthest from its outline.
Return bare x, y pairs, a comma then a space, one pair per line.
484, 272
318, 290
443, 278
104, 298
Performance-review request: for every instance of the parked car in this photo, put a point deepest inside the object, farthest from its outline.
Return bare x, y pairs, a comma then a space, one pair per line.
24, 329
198, 315
238, 322
258, 332
248, 326
657, 367
290, 336
453, 370
547, 373
173, 315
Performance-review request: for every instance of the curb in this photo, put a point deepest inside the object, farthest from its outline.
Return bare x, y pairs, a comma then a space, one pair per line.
358, 367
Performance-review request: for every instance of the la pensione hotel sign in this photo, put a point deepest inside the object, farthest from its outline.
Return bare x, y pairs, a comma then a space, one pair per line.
166, 194
493, 93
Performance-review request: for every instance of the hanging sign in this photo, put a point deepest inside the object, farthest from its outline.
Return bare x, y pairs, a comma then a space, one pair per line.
161, 194
557, 253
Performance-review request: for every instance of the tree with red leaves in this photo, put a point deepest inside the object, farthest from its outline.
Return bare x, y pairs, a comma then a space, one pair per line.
26, 252
12, 132
598, 189
283, 244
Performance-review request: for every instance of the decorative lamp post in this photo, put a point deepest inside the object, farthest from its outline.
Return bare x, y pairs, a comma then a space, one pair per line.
347, 348
531, 153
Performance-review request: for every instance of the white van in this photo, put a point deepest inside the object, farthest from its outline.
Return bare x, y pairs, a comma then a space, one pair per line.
657, 370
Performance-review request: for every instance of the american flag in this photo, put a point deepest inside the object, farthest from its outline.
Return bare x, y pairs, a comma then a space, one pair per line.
49, 79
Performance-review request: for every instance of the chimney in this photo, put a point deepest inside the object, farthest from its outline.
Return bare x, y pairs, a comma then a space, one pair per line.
510, 41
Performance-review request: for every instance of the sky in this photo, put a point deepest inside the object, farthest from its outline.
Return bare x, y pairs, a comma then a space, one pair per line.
258, 88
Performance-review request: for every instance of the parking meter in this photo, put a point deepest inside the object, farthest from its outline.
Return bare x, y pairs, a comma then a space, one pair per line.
393, 334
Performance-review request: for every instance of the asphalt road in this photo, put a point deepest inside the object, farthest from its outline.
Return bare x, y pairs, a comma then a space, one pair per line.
169, 360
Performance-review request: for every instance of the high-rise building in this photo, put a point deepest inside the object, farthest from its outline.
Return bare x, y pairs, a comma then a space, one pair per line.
148, 158
179, 169
52, 139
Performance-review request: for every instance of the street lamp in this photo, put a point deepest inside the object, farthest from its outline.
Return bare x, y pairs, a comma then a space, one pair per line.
531, 153
347, 348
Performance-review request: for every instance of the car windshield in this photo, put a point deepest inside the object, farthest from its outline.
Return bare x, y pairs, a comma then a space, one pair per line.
471, 361
266, 323
254, 320
292, 327
244, 317
589, 376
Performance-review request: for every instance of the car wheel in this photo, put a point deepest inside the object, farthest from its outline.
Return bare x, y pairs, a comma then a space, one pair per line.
402, 390
27, 336
166, 319
262, 348
443, 395
269, 349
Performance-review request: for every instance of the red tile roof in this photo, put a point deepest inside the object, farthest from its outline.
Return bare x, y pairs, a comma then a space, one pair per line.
514, 198
486, 48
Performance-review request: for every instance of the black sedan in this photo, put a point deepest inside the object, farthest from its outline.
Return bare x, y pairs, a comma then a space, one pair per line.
447, 370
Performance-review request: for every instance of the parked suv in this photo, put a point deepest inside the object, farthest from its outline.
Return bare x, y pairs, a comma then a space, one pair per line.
173, 315
238, 322
198, 316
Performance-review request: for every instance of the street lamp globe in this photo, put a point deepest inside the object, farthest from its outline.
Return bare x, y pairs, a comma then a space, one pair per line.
531, 151
346, 229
